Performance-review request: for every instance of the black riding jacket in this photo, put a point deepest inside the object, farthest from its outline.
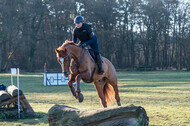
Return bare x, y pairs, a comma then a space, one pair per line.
84, 34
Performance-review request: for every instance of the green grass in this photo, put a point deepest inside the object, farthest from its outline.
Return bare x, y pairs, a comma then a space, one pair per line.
164, 95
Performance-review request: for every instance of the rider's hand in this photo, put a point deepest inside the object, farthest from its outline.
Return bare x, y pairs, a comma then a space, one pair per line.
83, 45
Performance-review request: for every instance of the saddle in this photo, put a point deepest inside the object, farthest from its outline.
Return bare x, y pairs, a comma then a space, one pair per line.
93, 58
92, 55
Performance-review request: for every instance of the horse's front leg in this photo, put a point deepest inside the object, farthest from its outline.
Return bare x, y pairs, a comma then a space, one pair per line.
78, 78
70, 84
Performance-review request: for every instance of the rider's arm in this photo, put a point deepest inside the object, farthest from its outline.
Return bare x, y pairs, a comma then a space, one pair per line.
92, 37
74, 36
92, 40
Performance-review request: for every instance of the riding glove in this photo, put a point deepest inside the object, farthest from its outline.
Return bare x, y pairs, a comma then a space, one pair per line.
83, 45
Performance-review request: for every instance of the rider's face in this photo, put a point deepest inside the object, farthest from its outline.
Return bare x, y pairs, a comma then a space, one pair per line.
78, 25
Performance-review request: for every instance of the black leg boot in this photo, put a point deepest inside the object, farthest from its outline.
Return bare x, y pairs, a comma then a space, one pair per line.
99, 63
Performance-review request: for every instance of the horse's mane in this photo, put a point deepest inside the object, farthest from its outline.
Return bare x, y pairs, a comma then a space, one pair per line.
68, 42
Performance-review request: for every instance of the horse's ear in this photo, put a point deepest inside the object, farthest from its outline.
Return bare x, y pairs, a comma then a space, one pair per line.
56, 50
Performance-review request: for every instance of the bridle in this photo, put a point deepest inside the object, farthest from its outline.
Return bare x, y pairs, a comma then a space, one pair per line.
80, 57
61, 59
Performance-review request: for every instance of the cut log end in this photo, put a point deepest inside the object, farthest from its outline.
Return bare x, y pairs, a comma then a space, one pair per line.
4, 96
13, 90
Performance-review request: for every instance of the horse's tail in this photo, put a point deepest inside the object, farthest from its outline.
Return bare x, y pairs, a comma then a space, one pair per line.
109, 94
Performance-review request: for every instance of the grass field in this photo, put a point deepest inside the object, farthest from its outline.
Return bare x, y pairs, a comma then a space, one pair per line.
165, 96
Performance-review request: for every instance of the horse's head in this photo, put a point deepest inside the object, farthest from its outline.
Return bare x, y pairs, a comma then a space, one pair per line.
64, 60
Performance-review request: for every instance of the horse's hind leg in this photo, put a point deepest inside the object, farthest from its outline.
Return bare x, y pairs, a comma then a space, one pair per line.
115, 87
99, 87
113, 83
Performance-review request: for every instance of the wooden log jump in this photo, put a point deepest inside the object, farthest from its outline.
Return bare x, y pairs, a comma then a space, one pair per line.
119, 116
12, 97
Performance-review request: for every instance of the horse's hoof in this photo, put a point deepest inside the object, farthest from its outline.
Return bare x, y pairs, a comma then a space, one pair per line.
119, 104
80, 97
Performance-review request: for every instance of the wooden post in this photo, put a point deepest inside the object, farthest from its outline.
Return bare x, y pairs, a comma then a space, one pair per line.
18, 93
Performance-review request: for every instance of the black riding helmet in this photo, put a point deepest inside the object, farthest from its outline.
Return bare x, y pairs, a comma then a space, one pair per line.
78, 19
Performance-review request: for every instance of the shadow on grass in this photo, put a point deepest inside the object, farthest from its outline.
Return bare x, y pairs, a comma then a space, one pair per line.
54, 89
39, 118
156, 84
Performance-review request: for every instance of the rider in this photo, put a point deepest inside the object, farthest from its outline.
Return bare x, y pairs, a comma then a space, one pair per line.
84, 33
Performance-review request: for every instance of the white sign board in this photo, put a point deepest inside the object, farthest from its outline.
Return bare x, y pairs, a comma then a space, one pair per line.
13, 71
55, 79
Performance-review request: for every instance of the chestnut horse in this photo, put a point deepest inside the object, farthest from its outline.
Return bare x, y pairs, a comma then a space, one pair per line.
76, 61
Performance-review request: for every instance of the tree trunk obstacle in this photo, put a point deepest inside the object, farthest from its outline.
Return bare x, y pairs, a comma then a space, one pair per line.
60, 115
4, 96
9, 104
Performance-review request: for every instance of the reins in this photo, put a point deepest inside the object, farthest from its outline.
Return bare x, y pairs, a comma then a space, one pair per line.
77, 65
82, 55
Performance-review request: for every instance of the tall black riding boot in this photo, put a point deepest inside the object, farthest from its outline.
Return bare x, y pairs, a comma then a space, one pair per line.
99, 63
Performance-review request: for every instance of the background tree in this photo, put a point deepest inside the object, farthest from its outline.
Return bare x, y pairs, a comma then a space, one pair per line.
131, 33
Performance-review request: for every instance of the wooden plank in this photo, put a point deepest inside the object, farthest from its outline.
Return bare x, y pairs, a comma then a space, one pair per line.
12, 100
30, 112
